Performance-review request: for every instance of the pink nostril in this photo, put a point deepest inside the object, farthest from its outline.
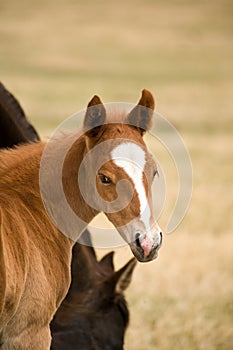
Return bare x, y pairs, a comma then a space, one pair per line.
147, 244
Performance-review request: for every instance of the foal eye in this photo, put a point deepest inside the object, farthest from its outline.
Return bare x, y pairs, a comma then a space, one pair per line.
155, 173
105, 179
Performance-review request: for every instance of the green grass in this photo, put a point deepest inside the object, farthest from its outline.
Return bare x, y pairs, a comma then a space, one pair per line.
55, 55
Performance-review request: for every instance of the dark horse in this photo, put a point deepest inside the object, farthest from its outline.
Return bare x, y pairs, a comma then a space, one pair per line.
15, 128
94, 313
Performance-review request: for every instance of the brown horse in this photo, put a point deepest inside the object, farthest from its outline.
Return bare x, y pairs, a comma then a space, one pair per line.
34, 256
94, 314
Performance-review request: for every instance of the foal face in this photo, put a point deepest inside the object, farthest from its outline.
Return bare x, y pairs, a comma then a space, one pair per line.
124, 180
128, 177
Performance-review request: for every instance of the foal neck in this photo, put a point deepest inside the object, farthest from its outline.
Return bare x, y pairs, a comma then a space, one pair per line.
70, 181
59, 171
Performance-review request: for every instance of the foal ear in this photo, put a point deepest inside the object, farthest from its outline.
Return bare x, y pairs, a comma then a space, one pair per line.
106, 263
141, 115
95, 116
86, 240
124, 276
120, 280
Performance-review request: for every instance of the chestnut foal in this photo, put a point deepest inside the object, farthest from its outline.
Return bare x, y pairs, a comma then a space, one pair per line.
94, 313
35, 256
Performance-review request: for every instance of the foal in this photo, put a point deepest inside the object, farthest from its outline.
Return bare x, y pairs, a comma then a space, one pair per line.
35, 256
94, 314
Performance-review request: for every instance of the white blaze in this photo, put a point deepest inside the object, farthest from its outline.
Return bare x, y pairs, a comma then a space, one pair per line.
131, 158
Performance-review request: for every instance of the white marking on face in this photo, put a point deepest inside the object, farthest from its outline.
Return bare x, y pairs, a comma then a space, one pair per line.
131, 158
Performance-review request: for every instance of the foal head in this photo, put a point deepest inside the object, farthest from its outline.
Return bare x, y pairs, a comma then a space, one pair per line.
94, 314
123, 171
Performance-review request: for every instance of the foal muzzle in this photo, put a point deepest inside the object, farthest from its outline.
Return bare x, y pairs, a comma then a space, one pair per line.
145, 248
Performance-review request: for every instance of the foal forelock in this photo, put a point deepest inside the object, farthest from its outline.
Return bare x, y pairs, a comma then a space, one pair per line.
132, 159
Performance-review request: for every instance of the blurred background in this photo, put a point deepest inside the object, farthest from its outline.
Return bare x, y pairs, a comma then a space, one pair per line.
55, 55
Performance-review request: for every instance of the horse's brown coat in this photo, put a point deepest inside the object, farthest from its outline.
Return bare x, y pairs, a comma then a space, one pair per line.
106, 311
35, 256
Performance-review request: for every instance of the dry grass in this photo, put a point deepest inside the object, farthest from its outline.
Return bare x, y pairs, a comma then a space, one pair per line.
55, 55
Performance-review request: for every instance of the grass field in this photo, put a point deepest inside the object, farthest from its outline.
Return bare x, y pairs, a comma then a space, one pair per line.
54, 55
